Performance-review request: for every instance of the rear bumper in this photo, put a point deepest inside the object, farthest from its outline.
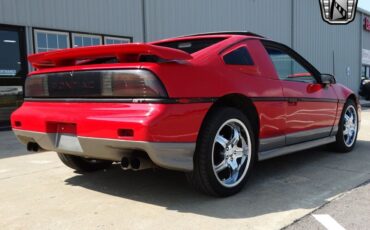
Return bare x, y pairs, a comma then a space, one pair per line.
175, 156
148, 122
166, 132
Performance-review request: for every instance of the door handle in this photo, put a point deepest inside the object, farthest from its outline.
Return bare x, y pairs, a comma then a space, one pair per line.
292, 101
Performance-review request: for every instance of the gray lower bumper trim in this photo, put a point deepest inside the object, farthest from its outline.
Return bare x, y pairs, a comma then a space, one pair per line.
176, 156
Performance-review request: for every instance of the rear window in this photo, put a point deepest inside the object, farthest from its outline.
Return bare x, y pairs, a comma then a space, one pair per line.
192, 45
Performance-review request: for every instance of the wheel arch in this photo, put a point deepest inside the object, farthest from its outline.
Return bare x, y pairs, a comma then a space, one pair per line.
353, 97
241, 102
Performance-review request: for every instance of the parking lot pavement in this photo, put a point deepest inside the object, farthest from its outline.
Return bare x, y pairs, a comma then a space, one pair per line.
10, 147
350, 211
38, 192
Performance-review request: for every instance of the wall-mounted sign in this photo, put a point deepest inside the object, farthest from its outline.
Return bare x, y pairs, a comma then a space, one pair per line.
367, 24
365, 57
8, 72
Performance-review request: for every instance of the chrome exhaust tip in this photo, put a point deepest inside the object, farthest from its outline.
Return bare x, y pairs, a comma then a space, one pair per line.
125, 163
140, 164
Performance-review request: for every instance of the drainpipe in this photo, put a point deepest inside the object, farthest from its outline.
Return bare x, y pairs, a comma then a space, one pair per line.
293, 24
143, 12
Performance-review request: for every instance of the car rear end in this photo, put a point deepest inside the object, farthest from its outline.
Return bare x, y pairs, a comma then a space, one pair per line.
109, 103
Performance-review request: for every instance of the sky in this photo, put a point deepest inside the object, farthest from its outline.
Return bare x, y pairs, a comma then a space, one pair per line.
364, 4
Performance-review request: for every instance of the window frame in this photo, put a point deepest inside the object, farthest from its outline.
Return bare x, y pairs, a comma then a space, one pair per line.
129, 40
56, 32
70, 32
295, 56
74, 34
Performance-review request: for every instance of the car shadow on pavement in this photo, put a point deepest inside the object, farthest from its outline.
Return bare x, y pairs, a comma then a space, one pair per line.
303, 180
10, 146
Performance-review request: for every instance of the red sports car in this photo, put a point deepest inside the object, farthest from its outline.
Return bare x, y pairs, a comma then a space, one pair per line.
210, 105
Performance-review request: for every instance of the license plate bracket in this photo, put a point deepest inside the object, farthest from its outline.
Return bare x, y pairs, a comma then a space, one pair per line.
66, 137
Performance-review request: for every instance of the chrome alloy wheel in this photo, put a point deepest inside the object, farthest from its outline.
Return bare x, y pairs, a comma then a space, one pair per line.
350, 126
231, 153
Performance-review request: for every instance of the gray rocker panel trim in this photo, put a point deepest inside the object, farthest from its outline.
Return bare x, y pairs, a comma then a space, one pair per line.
299, 137
294, 148
296, 138
175, 156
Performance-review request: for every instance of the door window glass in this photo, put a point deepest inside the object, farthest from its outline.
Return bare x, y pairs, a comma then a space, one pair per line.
287, 68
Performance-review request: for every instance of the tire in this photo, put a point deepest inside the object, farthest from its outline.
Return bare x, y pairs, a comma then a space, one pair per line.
220, 174
82, 165
346, 142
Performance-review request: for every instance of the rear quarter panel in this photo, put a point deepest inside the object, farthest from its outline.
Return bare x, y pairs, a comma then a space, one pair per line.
208, 77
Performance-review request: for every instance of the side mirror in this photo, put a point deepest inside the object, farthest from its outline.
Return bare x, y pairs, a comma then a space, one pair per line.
327, 79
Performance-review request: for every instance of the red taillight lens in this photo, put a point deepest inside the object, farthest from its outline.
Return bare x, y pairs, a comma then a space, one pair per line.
136, 84
36, 86
96, 84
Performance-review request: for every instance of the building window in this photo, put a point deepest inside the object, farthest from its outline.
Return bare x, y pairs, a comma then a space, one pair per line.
80, 40
46, 40
115, 40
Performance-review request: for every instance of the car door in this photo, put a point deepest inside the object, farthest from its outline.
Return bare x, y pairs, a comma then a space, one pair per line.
311, 106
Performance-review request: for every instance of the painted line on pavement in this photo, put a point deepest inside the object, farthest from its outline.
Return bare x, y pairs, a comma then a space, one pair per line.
328, 222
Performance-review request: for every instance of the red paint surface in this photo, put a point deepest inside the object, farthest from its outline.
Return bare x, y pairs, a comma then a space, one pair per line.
204, 75
150, 122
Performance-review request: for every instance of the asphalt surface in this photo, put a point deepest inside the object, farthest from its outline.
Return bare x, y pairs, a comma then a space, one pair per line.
38, 192
351, 210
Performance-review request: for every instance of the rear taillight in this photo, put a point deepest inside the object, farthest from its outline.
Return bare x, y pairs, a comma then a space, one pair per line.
95, 84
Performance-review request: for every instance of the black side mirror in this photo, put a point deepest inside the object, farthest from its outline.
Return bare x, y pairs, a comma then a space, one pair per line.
327, 79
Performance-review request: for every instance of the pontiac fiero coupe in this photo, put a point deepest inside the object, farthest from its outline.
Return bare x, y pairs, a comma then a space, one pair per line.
210, 105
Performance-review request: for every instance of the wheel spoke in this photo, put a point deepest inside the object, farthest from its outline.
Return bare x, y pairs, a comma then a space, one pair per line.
236, 135
244, 158
346, 131
222, 166
233, 165
222, 141
346, 117
234, 175
240, 152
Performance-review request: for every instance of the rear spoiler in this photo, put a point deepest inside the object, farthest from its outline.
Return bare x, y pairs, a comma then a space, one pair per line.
123, 53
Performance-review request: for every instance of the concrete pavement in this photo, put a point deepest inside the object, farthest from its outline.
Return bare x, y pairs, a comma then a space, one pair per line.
350, 211
38, 192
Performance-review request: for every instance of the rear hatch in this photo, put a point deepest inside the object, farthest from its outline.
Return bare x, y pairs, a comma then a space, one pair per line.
52, 81
109, 72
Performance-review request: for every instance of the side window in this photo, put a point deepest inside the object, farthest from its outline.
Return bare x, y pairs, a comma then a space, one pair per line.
288, 68
239, 56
